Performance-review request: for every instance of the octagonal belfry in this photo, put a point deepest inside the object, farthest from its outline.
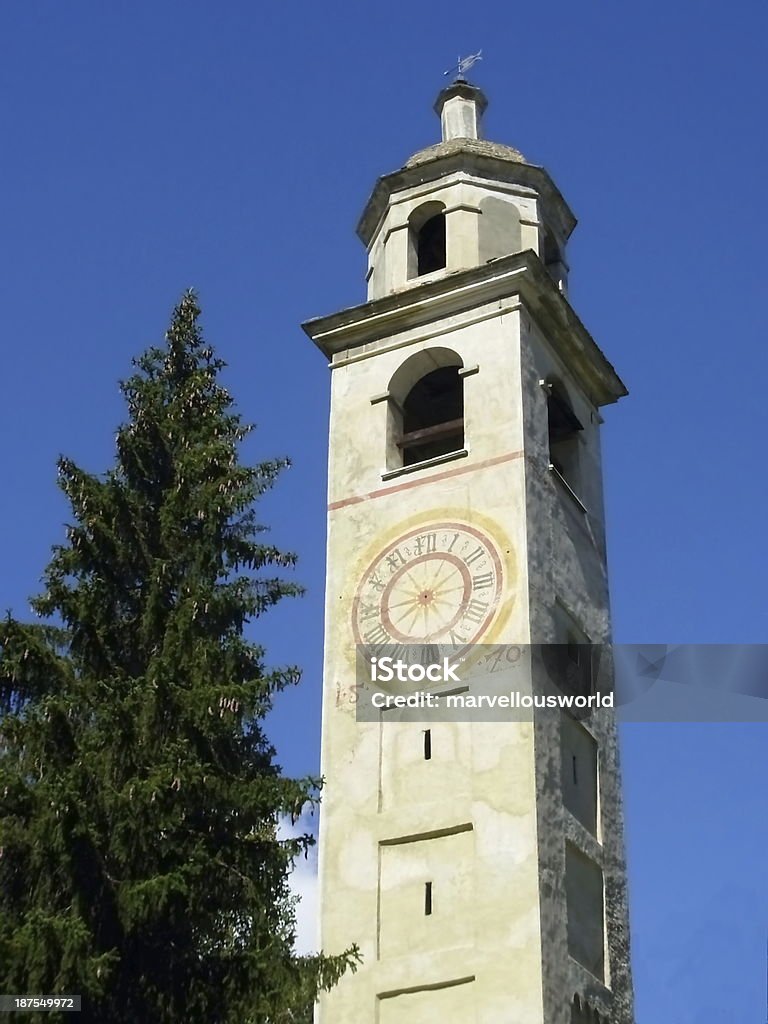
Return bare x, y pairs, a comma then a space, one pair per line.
492, 201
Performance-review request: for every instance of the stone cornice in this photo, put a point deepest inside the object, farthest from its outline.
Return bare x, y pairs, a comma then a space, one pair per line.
520, 274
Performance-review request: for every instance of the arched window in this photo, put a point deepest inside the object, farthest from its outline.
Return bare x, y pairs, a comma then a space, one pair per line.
426, 408
564, 428
427, 240
430, 245
433, 416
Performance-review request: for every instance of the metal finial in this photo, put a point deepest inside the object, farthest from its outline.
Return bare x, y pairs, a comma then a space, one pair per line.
464, 64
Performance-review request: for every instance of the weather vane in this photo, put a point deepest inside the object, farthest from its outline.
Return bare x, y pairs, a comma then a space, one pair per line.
464, 64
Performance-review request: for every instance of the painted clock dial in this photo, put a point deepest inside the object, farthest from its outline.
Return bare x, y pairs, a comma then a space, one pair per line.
438, 583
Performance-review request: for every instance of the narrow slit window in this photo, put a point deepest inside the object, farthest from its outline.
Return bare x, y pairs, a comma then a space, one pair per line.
427, 744
427, 898
575, 771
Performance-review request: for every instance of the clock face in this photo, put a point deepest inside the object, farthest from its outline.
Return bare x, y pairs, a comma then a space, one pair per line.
438, 583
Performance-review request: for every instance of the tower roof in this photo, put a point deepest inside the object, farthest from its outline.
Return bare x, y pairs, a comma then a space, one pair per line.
480, 147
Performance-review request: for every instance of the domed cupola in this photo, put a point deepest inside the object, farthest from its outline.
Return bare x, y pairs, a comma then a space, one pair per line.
461, 203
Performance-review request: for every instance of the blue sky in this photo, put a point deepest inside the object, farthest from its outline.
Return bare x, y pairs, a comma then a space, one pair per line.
148, 147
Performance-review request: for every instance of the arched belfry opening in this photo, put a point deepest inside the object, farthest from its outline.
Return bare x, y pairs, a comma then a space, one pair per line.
426, 408
427, 251
430, 245
433, 416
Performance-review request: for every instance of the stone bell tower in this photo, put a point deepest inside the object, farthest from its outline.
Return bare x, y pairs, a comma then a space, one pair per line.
478, 865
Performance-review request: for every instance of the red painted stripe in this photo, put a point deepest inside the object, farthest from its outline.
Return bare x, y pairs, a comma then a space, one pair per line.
459, 471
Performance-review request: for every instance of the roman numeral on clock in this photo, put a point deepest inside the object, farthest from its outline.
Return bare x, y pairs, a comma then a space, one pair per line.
377, 636
482, 581
474, 555
426, 543
395, 560
377, 582
476, 611
368, 611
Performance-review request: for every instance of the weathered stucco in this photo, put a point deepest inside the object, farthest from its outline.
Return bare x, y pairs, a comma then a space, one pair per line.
507, 840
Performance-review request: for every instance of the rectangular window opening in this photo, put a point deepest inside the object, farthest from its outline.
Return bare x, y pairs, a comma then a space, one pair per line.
576, 656
427, 898
585, 907
579, 758
427, 744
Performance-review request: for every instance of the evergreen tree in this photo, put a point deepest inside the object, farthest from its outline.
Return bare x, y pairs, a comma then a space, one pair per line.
140, 862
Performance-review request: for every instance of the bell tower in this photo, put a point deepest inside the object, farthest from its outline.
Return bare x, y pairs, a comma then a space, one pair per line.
478, 865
